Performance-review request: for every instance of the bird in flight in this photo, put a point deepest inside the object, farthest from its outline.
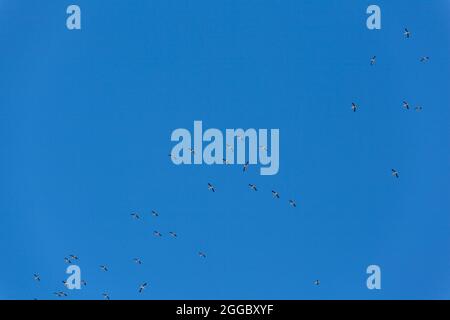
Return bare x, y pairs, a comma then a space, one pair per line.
65, 283
292, 203
60, 294
73, 257
135, 216
354, 107
406, 105
317, 282
137, 261
157, 233
36, 277
211, 187
394, 173
407, 33
142, 287
245, 166
424, 59
105, 296
275, 194
155, 213
173, 234
373, 60
104, 268
67, 260
252, 186
202, 254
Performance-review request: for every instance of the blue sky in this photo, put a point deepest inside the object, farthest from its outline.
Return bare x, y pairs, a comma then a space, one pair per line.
85, 124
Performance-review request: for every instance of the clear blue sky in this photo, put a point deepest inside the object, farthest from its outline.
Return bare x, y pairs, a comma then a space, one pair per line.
85, 124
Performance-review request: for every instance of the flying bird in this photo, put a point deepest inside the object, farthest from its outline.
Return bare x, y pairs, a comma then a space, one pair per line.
245, 166
65, 283
135, 216
36, 277
202, 254
275, 194
61, 294
373, 60
137, 261
155, 213
211, 187
292, 203
394, 173
67, 260
424, 59
142, 287
407, 33
252, 186
406, 105
354, 107
317, 282
157, 233
173, 234
105, 296
73, 257
104, 268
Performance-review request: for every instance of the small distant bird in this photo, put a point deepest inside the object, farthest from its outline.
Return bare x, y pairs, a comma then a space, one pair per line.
407, 33
67, 260
406, 105
36, 277
292, 203
157, 233
105, 296
155, 213
373, 60
245, 166
317, 282
173, 234
275, 194
252, 186
211, 187
61, 294
202, 254
354, 107
83, 283
394, 173
418, 108
137, 261
104, 268
73, 257
424, 59
135, 216
142, 287
64, 283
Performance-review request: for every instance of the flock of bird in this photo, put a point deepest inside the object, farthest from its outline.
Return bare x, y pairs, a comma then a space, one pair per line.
72, 258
